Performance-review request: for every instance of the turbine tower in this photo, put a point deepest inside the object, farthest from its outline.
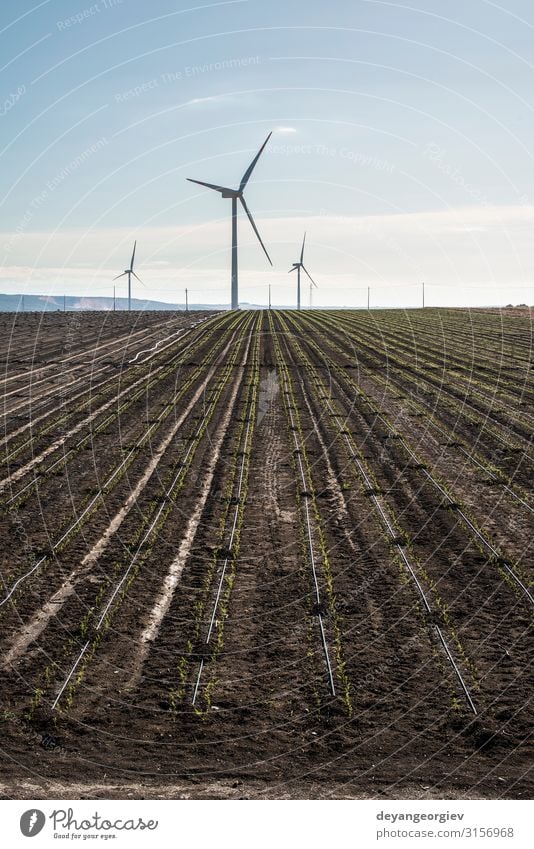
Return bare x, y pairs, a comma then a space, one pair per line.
129, 271
235, 195
297, 266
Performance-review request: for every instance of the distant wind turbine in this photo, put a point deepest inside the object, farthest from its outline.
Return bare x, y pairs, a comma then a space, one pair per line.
129, 271
235, 195
298, 266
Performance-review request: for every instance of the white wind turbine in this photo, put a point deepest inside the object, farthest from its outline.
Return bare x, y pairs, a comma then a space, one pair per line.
129, 271
297, 266
235, 195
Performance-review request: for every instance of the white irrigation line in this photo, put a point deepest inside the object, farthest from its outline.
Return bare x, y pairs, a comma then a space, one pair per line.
23, 578
467, 694
230, 541
311, 553
71, 673
155, 347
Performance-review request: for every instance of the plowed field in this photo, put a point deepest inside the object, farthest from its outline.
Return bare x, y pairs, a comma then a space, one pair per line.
267, 554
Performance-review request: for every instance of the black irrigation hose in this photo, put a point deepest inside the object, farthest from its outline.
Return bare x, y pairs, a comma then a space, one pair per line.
383, 512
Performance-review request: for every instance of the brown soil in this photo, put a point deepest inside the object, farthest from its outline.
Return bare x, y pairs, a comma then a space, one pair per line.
256, 525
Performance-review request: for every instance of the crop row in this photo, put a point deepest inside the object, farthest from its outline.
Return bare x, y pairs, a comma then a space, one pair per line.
323, 605
229, 538
446, 409
435, 615
66, 411
355, 394
113, 476
144, 534
477, 352
431, 414
484, 406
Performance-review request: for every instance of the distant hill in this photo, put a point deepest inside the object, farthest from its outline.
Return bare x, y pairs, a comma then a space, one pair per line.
74, 303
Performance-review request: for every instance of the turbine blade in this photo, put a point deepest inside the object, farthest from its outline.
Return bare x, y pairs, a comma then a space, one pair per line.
250, 169
250, 218
208, 185
292, 269
302, 251
120, 275
312, 280
138, 278
133, 255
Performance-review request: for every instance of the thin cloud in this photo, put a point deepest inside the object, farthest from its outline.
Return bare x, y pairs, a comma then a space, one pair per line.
215, 99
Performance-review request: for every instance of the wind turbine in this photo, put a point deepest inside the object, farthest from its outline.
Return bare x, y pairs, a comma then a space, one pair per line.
129, 271
235, 195
298, 266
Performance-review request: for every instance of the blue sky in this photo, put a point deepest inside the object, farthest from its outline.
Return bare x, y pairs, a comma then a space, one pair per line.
402, 143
